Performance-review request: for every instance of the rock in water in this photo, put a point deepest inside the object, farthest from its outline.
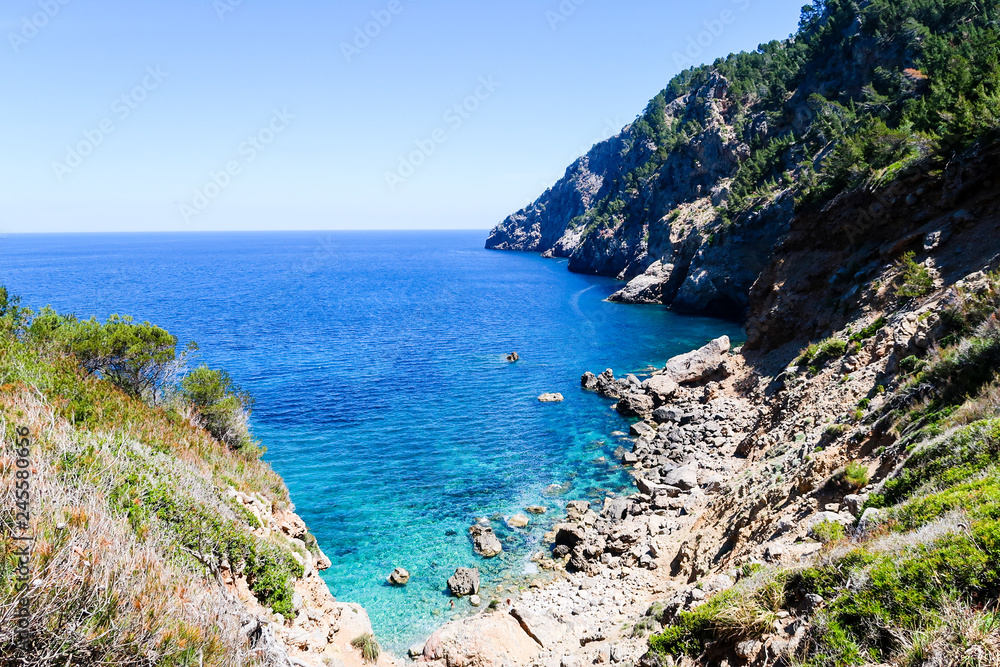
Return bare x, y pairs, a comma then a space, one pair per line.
485, 541
513, 356
536, 509
399, 577
551, 398
699, 364
464, 582
517, 521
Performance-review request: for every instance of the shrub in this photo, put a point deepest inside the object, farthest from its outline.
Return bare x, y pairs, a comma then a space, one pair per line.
140, 359
856, 475
829, 531
748, 610
868, 331
915, 280
368, 646
223, 408
822, 352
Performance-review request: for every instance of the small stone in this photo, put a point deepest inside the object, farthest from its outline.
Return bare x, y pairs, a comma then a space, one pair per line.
551, 398
475, 600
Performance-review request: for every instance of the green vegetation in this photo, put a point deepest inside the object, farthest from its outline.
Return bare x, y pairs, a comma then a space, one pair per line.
136, 523
928, 88
915, 280
222, 407
828, 531
821, 353
369, 648
746, 611
868, 331
919, 580
856, 475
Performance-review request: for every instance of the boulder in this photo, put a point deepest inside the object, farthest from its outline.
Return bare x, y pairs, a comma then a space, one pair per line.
399, 577
551, 398
544, 629
518, 521
535, 509
635, 405
616, 509
569, 534
485, 541
475, 600
699, 364
513, 356
576, 509
589, 381
642, 430
685, 477
464, 582
854, 502
661, 387
490, 640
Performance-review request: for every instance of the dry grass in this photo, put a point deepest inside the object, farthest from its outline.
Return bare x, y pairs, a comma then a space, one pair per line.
964, 637
102, 594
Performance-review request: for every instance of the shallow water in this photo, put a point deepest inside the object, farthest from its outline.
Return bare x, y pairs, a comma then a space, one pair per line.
383, 395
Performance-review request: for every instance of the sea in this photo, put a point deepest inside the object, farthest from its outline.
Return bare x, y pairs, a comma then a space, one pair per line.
383, 392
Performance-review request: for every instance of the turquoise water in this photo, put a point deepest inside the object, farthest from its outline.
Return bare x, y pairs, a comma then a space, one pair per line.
383, 395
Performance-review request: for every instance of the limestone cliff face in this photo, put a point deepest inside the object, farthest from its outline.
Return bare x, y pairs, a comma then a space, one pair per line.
655, 206
655, 229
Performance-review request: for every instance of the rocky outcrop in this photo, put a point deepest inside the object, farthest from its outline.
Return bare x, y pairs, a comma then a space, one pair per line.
699, 364
484, 541
399, 577
464, 582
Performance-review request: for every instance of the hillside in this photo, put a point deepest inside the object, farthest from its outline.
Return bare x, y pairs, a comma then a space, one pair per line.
688, 202
139, 525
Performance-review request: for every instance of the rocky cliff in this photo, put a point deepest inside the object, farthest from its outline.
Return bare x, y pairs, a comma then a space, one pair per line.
689, 202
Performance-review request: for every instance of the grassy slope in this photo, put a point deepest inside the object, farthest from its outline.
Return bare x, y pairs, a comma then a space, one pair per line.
132, 521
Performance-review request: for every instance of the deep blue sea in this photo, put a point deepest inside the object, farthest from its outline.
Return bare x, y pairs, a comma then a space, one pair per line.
383, 395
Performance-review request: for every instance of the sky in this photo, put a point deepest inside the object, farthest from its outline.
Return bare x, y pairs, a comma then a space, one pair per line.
218, 115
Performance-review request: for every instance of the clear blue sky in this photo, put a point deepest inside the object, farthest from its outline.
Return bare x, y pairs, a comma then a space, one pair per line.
183, 85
